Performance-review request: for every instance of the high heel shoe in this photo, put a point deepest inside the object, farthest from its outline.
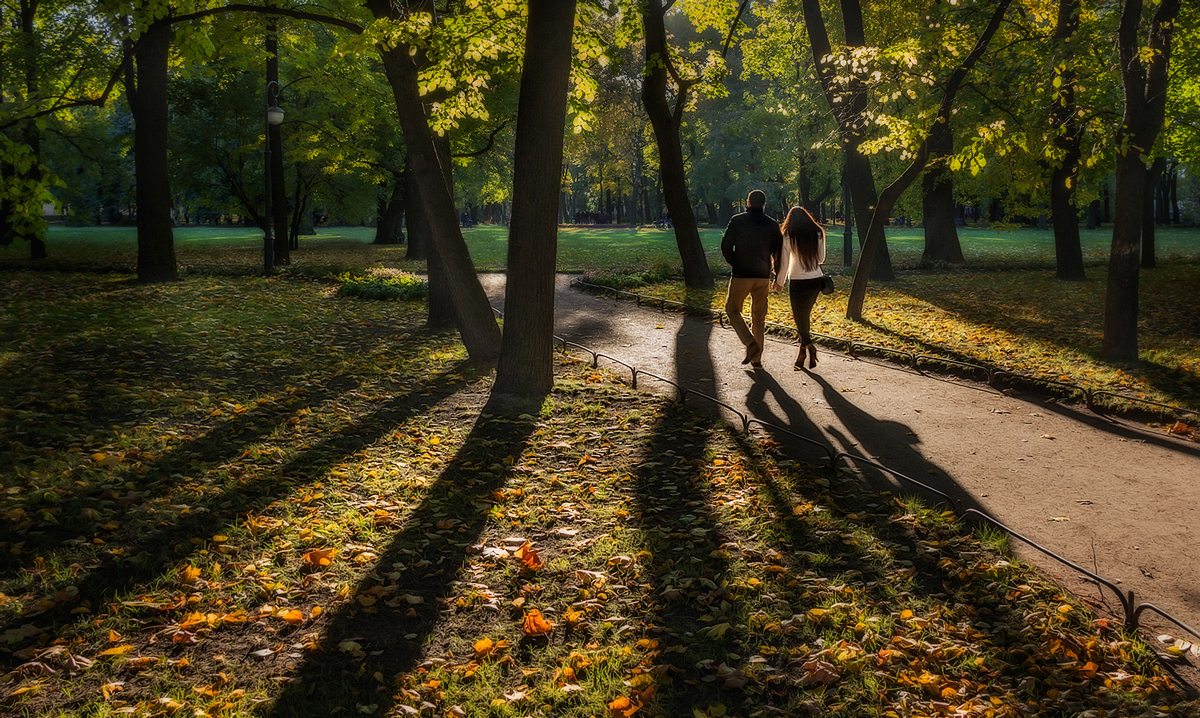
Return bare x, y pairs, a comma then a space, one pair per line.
812, 356
800, 359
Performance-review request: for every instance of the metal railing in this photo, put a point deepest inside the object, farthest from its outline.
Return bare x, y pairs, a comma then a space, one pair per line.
1131, 610
1088, 394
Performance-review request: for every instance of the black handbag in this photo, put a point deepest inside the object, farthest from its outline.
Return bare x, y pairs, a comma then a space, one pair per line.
826, 284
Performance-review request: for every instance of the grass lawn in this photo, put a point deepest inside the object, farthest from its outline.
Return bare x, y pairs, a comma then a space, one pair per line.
580, 248
233, 496
1006, 309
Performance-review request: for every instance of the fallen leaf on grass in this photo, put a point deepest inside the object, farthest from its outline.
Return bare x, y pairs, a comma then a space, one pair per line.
534, 624
819, 672
110, 688
528, 557
116, 651
319, 558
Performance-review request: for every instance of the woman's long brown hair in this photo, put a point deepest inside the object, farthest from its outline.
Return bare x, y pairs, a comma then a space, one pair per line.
805, 234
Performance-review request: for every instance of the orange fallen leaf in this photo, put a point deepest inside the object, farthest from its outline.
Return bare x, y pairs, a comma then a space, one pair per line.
534, 624
116, 650
483, 647
294, 616
622, 707
530, 560
319, 557
315, 611
190, 574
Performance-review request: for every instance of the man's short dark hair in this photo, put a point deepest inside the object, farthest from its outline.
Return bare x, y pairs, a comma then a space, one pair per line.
757, 198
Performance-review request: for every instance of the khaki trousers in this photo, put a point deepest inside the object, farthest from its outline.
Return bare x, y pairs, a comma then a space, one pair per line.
757, 290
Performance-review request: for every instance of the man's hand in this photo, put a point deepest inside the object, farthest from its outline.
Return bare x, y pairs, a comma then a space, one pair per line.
776, 286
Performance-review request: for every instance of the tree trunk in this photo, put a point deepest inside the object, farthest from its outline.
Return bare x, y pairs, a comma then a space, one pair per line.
941, 233
1064, 181
1093, 215
1144, 79
148, 102
1173, 191
31, 135
666, 123
1149, 197
419, 237
389, 227
473, 314
279, 208
526, 367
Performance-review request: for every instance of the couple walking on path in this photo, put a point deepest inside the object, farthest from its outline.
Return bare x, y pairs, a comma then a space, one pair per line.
764, 256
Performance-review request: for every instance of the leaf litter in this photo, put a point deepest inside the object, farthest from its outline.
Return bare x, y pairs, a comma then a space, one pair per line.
614, 555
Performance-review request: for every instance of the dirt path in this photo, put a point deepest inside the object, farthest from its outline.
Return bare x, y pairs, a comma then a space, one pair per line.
1112, 495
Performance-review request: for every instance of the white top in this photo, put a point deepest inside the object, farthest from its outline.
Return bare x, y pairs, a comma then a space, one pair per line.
789, 261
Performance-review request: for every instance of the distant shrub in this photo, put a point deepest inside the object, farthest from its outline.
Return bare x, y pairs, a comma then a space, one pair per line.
382, 284
630, 277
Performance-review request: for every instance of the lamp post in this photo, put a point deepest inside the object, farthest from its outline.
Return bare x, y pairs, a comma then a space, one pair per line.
274, 117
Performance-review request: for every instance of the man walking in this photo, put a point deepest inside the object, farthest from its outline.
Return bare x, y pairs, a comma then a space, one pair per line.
751, 244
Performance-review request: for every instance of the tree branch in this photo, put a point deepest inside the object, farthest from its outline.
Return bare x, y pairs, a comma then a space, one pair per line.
486, 148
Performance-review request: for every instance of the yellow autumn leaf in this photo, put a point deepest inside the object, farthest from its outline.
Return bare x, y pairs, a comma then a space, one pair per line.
116, 650
294, 616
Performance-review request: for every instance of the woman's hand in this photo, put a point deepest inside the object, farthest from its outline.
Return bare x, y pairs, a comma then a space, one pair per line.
776, 286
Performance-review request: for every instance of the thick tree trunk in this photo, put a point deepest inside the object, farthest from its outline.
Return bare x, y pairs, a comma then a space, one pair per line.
389, 226
666, 122
526, 366
279, 207
1121, 298
1149, 195
1064, 180
941, 233
419, 237
156, 242
31, 134
1067, 248
473, 314
1144, 79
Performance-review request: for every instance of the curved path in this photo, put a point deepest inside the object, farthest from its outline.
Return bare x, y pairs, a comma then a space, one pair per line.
1112, 495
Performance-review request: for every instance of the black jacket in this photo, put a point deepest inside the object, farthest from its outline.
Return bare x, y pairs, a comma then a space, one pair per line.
751, 240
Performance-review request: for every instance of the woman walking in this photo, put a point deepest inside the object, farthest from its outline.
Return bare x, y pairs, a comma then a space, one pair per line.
800, 265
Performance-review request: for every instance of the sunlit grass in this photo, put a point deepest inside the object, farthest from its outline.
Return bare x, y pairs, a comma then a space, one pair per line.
235, 496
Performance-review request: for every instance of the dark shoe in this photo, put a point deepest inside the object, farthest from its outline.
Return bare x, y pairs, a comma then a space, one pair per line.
753, 350
812, 356
800, 359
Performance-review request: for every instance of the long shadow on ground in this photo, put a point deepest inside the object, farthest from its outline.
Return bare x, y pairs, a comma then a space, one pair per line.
428, 554
150, 555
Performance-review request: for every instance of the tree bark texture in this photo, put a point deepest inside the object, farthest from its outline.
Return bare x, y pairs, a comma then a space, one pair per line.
937, 203
156, 241
389, 228
1145, 90
432, 174
279, 203
31, 135
1149, 197
526, 366
1064, 180
666, 122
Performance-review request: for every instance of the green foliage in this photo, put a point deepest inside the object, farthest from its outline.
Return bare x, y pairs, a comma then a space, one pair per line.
383, 284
